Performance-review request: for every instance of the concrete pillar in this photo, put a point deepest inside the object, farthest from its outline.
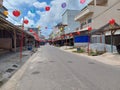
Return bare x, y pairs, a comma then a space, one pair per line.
14, 40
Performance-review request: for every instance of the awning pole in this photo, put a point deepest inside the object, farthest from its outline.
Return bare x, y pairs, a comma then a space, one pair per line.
21, 44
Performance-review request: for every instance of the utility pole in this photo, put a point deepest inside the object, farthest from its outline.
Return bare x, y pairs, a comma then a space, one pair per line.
21, 44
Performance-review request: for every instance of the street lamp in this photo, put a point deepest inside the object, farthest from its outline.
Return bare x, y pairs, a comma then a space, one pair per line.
112, 22
89, 29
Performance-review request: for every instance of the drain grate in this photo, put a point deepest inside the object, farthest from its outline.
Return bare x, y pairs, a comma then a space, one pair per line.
40, 62
1, 83
52, 61
10, 70
15, 66
70, 62
36, 72
91, 63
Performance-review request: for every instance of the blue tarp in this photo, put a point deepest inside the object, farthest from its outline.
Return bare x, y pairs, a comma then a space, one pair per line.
81, 39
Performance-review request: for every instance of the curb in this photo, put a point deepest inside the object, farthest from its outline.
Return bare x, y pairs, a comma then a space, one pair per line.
97, 58
12, 82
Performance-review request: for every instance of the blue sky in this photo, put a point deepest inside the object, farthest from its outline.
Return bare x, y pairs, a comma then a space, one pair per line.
34, 11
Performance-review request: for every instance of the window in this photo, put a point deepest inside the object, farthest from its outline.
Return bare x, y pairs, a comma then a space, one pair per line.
89, 20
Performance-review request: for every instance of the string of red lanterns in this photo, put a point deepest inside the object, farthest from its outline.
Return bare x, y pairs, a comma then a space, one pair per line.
16, 13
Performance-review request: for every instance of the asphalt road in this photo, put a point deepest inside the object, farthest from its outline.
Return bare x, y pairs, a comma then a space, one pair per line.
54, 69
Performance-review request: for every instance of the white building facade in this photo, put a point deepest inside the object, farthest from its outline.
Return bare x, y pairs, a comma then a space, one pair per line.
97, 14
68, 19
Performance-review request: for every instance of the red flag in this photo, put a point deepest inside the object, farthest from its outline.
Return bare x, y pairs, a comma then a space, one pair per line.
82, 1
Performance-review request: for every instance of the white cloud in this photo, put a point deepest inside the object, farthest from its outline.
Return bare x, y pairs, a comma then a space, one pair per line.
30, 21
54, 16
56, 11
39, 5
50, 18
31, 15
18, 2
13, 19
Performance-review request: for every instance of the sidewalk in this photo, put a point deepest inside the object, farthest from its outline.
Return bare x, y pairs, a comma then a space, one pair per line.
107, 58
10, 63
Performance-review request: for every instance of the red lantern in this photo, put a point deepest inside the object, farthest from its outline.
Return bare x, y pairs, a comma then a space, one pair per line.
89, 28
26, 21
47, 8
16, 13
62, 37
78, 32
31, 30
112, 22
71, 34
34, 34
67, 35
82, 1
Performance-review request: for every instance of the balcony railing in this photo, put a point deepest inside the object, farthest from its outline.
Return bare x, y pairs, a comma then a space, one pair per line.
87, 10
